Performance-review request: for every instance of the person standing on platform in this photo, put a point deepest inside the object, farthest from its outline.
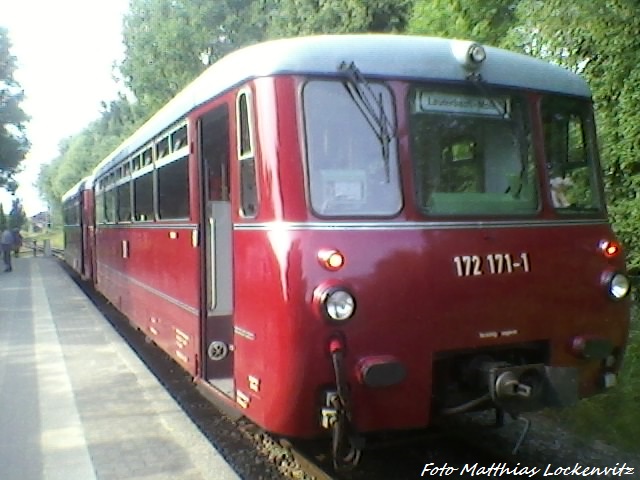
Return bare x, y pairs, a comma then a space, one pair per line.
7, 241
17, 241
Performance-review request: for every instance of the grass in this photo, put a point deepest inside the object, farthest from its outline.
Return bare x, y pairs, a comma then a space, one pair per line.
613, 417
54, 235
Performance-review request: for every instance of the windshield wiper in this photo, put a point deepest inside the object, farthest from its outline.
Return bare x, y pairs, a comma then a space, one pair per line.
518, 127
372, 108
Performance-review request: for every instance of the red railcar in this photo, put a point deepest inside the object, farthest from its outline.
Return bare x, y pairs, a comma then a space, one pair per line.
364, 232
79, 223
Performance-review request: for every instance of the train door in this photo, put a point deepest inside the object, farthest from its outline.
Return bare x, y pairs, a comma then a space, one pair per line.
213, 128
88, 233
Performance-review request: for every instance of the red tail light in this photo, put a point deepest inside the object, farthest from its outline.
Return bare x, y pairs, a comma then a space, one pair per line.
609, 248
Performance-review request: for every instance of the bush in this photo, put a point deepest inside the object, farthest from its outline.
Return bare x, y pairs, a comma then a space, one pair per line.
613, 417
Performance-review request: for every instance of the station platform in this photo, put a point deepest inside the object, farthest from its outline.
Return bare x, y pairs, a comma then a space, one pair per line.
76, 403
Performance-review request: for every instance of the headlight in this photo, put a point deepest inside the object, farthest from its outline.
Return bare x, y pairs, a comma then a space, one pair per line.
470, 55
619, 286
339, 305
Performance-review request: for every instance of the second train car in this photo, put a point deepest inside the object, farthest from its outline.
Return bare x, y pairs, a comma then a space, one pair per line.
363, 233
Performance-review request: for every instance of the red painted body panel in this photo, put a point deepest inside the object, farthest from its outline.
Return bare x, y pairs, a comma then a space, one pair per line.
411, 304
156, 286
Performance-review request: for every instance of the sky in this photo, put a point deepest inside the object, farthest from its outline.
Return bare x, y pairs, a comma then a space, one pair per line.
65, 53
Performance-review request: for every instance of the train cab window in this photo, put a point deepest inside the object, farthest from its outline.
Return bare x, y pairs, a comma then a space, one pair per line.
350, 171
246, 154
461, 168
471, 153
571, 155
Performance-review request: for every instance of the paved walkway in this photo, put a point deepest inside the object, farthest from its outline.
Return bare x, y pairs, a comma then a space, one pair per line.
75, 402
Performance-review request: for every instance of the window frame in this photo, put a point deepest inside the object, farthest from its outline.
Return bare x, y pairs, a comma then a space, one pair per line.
247, 170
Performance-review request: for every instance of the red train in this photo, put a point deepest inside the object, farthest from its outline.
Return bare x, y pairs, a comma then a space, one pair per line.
363, 233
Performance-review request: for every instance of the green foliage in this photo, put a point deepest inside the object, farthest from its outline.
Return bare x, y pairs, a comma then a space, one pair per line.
82, 152
13, 142
599, 40
304, 17
486, 21
17, 217
613, 416
55, 236
3, 218
169, 42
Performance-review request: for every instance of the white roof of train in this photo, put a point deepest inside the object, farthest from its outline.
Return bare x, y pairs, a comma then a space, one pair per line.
375, 55
75, 190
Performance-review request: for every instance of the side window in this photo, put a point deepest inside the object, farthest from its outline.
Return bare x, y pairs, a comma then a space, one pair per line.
142, 185
179, 138
214, 148
143, 197
111, 200
172, 174
173, 189
246, 155
124, 202
100, 203
124, 193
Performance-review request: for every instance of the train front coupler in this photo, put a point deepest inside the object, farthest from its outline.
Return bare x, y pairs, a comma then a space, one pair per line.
530, 387
516, 389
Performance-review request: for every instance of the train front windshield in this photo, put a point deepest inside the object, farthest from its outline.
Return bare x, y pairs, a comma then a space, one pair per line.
471, 149
351, 171
473, 155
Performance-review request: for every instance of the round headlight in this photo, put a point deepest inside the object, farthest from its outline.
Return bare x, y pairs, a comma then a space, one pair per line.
339, 305
619, 286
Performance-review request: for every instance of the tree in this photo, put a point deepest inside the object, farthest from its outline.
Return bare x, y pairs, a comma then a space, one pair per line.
13, 141
17, 217
169, 42
486, 21
3, 218
598, 39
304, 17
81, 153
